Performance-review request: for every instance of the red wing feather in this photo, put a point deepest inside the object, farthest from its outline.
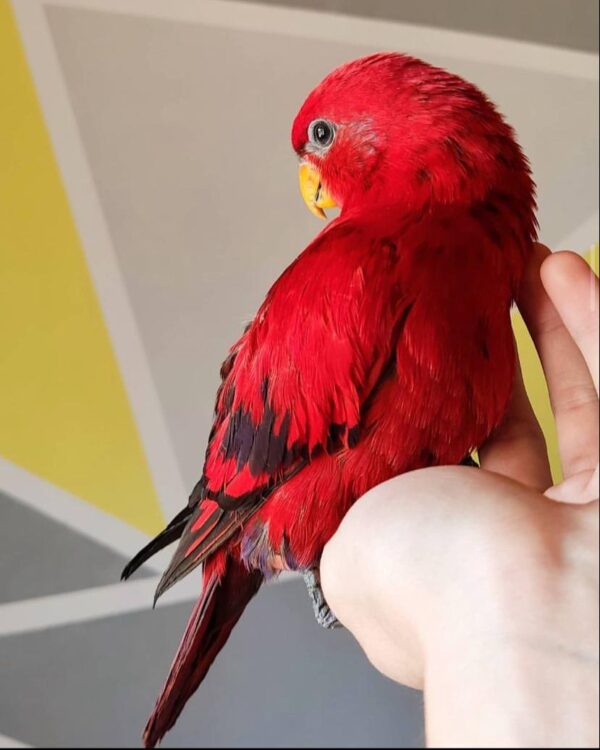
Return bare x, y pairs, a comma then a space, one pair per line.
294, 383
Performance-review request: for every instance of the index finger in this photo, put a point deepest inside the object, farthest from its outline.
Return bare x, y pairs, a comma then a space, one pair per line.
572, 394
573, 288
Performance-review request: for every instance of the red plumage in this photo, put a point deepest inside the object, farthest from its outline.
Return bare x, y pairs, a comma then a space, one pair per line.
385, 347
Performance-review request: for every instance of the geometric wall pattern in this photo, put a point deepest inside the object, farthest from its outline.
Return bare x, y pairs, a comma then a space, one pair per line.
147, 200
68, 419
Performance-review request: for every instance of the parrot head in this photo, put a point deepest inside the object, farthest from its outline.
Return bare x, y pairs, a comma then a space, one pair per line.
390, 133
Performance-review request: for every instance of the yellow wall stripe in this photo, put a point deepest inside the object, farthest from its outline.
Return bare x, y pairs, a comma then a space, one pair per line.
64, 412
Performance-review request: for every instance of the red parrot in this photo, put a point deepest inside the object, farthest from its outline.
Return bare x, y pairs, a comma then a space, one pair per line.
386, 345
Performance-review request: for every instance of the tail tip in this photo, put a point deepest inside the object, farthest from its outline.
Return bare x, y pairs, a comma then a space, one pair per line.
152, 737
130, 568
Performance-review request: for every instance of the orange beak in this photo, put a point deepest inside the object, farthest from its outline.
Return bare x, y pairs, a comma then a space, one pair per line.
313, 191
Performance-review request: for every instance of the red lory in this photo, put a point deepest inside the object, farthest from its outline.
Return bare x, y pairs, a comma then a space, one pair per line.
386, 346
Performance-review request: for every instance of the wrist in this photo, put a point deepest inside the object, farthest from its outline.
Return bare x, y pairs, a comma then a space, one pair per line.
513, 662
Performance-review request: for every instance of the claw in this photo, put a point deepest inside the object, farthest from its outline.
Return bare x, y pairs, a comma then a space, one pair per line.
323, 614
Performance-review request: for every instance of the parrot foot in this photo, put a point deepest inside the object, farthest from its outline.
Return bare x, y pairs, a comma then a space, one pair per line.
323, 614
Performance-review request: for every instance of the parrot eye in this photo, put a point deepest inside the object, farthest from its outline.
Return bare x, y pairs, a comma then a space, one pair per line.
321, 133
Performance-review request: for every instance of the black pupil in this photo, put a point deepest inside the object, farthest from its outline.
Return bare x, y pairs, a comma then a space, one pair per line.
322, 133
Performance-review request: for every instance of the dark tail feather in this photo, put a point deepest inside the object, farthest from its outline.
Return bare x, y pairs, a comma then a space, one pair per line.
223, 600
173, 532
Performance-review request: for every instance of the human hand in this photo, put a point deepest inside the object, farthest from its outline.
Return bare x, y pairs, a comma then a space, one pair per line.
559, 303
472, 582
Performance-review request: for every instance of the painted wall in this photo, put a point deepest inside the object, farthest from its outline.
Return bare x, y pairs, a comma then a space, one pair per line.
148, 198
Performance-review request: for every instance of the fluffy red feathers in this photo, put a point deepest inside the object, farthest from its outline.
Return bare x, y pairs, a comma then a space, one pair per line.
386, 346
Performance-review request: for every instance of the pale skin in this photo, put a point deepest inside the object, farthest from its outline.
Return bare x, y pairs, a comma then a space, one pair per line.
481, 586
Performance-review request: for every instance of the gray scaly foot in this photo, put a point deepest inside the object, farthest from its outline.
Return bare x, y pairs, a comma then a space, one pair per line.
323, 614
